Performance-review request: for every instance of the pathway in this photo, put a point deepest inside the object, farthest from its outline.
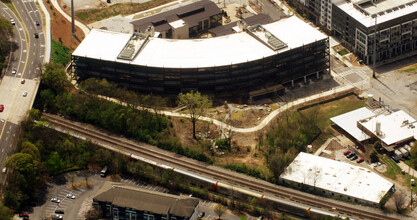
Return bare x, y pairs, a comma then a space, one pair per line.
82, 26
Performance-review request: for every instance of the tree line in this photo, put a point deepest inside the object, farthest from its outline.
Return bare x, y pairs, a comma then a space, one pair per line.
6, 31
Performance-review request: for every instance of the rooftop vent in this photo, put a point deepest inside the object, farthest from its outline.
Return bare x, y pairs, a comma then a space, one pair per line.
135, 44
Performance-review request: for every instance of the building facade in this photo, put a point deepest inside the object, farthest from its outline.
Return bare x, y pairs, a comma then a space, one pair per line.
183, 22
119, 202
232, 65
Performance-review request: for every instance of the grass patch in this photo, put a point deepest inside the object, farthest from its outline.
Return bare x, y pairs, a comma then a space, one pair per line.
92, 15
60, 53
330, 109
392, 168
409, 69
237, 115
343, 52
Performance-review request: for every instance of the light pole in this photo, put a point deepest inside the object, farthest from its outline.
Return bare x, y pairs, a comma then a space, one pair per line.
374, 57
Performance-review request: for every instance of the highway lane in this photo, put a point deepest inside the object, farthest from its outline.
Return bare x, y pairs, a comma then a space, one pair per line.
27, 59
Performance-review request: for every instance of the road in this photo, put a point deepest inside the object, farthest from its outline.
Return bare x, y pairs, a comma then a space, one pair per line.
26, 57
270, 9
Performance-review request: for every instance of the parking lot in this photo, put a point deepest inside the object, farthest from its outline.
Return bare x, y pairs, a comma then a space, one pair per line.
78, 206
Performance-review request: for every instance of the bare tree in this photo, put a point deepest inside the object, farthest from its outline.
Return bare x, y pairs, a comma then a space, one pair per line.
220, 209
315, 175
399, 201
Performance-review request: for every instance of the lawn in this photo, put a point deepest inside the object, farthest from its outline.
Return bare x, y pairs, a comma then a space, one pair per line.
330, 109
343, 52
409, 69
392, 168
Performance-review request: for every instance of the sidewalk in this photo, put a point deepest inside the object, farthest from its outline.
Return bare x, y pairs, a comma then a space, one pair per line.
83, 27
47, 32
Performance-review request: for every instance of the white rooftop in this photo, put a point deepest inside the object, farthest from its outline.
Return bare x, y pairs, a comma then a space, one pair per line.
393, 128
339, 177
348, 122
192, 53
177, 24
382, 6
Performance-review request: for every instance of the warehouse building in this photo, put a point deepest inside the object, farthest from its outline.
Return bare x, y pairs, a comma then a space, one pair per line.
125, 202
285, 53
337, 179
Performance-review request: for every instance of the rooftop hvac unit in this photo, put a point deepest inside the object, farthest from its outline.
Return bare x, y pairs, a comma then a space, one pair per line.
370, 99
378, 128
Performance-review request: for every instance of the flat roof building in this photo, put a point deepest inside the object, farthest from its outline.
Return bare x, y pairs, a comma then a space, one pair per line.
348, 122
392, 130
183, 22
355, 22
126, 202
336, 178
261, 55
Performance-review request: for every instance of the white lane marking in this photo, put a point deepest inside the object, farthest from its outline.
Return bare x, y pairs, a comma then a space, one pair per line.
24, 51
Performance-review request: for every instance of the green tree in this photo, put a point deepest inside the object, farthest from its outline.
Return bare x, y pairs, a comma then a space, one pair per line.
374, 156
377, 145
55, 163
6, 30
24, 164
54, 77
5, 213
196, 104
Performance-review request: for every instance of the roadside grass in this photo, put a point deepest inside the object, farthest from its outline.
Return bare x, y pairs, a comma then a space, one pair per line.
392, 168
409, 69
60, 53
92, 15
330, 109
237, 115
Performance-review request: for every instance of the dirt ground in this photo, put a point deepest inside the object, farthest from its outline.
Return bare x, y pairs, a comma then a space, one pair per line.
61, 29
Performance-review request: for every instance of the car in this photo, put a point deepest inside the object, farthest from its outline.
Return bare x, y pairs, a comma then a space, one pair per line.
36, 35
59, 211
1, 108
360, 160
12, 21
354, 157
347, 152
349, 155
55, 200
201, 214
56, 217
14, 71
4, 170
22, 81
70, 196
23, 215
25, 93
37, 23
395, 159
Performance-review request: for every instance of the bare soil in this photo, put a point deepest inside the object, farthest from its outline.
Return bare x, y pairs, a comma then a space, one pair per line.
61, 29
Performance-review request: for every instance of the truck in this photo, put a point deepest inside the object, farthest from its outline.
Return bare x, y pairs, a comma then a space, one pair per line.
103, 172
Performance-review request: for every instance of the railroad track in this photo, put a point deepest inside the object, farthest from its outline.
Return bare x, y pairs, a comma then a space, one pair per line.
259, 186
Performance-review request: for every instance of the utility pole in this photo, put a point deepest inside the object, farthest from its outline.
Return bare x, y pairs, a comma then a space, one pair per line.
373, 74
72, 18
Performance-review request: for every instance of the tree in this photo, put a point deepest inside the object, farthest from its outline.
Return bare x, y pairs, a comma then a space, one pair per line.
55, 163
196, 104
399, 200
55, 78
377, 145
6, 30
219, 209
315, 175
374, 156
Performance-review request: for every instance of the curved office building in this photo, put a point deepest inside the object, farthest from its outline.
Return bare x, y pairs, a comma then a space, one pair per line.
254, 60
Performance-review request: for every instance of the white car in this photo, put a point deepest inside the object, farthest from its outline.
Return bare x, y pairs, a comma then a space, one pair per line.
55, 200
14, 71
25, 93
57, 217
12, 21
70, 196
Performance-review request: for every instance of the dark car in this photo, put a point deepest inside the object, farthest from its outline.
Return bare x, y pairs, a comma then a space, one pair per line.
37, 23
395, 159
350, 155
201, 214
59, 211
354, 157
36, 35
1, 108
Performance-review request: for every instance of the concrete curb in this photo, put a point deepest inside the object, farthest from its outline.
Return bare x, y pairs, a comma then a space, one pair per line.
48, 32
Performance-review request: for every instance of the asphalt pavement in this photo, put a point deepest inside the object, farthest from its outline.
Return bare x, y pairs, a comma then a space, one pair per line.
26, 57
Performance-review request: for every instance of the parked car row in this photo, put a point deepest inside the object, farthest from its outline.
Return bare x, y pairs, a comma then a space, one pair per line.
353, 156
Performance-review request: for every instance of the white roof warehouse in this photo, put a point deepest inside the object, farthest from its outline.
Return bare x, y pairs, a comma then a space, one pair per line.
337, 178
